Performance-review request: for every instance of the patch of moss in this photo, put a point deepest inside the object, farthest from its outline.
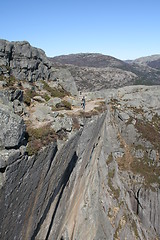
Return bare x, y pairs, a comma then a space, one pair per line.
149, 171
64, 105
28, 96
134, 227
118, 229
156, 122
61, 115
137, 147
39, 137
144, 167
2, 77
148, 132
115, 191
46, 97
55, 92
109, 159
11, 81
67, 105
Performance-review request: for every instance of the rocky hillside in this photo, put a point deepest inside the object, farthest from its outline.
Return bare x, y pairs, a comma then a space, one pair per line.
21, 61
94, 71
95, 60
68, 173
102, 183
151, 61
89, 72
94, 79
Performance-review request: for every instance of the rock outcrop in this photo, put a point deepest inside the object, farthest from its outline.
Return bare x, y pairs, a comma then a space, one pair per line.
28, 63
25, 62
12, 128
103, 183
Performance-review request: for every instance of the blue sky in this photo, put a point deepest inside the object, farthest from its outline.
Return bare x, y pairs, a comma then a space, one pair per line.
126, 29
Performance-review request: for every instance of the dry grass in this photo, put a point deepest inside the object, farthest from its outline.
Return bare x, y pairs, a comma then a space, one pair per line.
115, 191
88, 114
144, 166
125, 162
39, 137
149, 132
55, 92
101, 107
109, 159
28, 96
75, 125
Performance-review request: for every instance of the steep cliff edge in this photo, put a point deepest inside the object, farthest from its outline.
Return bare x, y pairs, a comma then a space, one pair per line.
102, 184
70, 174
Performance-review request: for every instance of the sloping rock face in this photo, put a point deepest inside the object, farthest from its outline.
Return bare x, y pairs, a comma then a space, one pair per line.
102, 184
12, 127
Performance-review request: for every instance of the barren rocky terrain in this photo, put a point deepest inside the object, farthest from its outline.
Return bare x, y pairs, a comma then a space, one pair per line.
68, 173
98, 71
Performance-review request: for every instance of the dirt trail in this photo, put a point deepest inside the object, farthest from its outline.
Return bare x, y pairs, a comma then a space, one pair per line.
90, 105
39, 118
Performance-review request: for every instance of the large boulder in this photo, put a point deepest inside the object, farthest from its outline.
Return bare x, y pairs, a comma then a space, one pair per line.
12, 128
65, 79
62, 123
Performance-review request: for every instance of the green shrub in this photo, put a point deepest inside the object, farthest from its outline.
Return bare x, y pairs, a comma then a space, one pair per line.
67, 105
62, 105
39, 137
149, 132
46, 97
55, 92
11, 81
2, 77
28, 95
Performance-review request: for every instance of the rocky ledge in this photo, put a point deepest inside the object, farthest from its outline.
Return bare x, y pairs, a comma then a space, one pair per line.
101, 183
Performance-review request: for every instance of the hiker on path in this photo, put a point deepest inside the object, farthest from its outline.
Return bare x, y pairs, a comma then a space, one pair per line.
83, 103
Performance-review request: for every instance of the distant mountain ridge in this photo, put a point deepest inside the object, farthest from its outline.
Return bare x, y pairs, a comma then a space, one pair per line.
90, 71
151, 61
97, 70
96, 60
